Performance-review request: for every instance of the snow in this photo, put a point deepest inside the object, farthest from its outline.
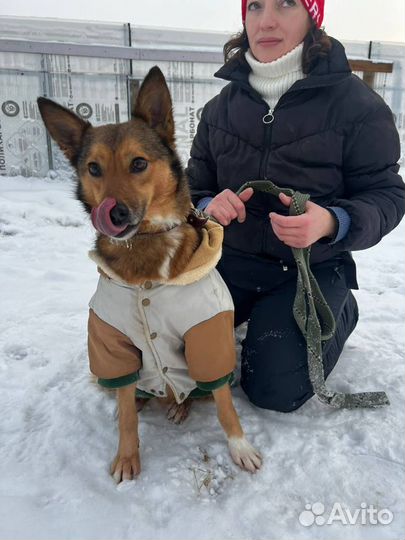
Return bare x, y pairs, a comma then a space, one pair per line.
59, 432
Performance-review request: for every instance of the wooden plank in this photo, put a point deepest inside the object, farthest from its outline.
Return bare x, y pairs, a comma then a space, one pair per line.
368, 66
369, 78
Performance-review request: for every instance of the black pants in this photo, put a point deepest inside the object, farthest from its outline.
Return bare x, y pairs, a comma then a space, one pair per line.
274, 368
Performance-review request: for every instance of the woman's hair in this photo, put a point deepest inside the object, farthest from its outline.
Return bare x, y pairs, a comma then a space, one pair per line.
317, 44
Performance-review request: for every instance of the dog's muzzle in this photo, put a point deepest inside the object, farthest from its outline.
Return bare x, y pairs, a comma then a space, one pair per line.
111, 218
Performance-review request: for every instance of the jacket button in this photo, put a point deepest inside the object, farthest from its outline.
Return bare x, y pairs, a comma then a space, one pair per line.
182, 395
161, 393
153, 335
153, 391
145, 302
148, 285
165, 369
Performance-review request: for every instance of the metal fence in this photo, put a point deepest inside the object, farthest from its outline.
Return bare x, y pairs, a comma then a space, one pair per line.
95, 68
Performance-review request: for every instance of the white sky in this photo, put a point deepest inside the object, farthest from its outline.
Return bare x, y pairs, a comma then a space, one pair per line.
345, 19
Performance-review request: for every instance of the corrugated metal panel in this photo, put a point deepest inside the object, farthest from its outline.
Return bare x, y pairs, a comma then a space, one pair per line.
96, 88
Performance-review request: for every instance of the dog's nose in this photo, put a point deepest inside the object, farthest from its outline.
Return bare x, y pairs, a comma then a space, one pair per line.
120, 215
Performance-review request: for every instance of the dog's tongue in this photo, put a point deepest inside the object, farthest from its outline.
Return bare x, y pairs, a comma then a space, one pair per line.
101, 218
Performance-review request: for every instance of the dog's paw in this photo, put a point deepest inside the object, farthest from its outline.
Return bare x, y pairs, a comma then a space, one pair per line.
126, 467
244, 455
140, 403
177, 413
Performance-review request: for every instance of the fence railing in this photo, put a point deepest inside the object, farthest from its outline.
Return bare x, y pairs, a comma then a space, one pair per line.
99, 81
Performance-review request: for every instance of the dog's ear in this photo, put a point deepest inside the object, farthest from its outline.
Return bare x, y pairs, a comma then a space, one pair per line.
154, 105
65, 127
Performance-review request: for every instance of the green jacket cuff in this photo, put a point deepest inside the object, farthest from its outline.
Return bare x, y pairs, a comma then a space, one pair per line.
119, 381
214, 385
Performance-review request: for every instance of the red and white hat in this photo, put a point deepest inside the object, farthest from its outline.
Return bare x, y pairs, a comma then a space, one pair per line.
315, 9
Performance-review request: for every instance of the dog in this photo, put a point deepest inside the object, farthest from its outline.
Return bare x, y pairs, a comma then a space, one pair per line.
161, 320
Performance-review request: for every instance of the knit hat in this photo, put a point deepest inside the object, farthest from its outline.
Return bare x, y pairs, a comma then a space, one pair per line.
314, 7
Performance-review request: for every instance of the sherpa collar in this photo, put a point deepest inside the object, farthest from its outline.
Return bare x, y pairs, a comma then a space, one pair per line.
204, 259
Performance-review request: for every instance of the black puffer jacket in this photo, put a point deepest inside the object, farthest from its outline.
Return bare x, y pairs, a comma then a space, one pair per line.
332, 137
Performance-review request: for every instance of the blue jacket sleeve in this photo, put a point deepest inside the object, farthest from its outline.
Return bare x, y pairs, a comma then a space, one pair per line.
343, 223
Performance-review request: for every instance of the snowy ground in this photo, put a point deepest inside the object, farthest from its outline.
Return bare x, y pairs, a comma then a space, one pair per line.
58, 430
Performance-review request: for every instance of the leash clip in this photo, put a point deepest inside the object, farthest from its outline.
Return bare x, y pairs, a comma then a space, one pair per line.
197, 219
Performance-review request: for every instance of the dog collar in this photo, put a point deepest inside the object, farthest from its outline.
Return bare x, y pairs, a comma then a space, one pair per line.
159, 232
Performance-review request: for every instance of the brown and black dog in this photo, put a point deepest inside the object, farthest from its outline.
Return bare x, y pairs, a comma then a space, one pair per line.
131, 182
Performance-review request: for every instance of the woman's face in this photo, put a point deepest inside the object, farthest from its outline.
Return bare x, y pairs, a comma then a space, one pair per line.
275, 27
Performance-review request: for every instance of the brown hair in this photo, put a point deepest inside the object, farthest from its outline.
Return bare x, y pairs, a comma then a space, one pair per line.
317, 44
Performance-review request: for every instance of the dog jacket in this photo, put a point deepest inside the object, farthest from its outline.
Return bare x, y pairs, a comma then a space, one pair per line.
177, 333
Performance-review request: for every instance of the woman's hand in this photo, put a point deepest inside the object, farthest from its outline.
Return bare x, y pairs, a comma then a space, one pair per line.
227, 206
304, 230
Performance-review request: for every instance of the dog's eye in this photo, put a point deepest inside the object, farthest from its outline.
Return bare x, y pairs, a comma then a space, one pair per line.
138, 165
94, 169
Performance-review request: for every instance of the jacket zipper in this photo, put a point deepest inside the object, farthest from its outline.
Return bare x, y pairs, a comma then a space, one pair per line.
269, 117
268, 120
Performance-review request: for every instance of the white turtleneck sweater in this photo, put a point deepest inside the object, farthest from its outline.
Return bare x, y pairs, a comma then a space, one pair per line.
273, 79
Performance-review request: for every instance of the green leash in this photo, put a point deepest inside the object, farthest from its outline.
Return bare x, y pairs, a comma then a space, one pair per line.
313, 315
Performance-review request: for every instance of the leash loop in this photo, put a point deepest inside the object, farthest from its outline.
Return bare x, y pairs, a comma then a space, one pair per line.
313, 315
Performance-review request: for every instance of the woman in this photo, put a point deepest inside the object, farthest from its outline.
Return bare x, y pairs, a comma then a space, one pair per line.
293, 113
